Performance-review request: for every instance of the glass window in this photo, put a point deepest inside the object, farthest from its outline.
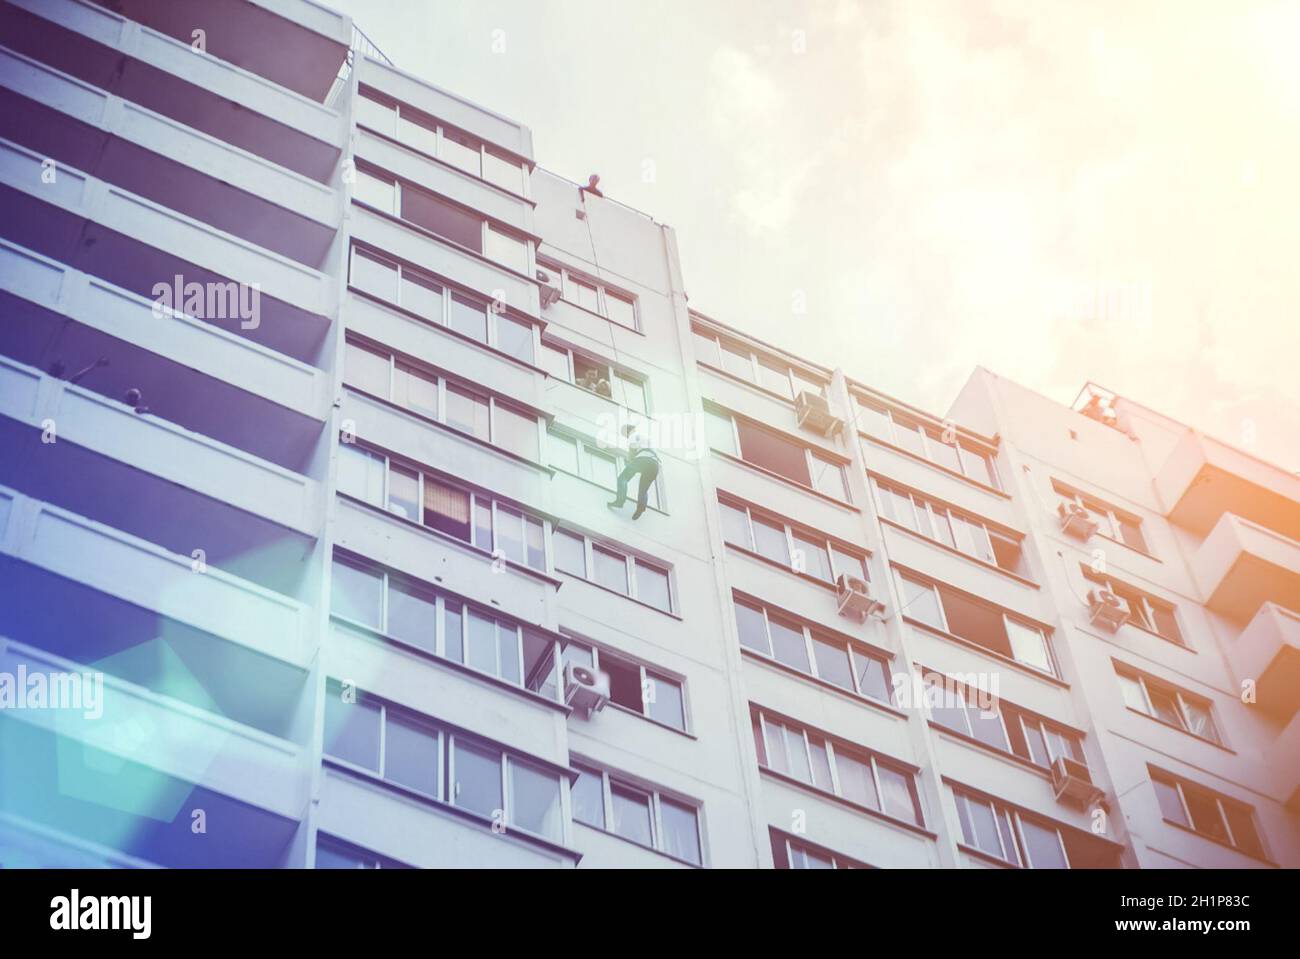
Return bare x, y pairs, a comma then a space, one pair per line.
415, 390
515, 338
788, 644
508, 652
483, 524
979, 826
446, 509
376, 191
468, 317
510, 533
539, 664
986, 726
652, 585
1131, 689
361, 474
418, 132
621, 309
1204, 810
411, 755
376, 115
738, 362
357, 594
707, 347
681, 830
1029, 645
587, 795
504, 171
1164, 705
404, 492
534, 543
874, 420
507, 249
812, 557
352, 729
461, 150
366, 370
872, 680
582, 293
453, 631
1244, 835
752, 628
770, 541
735, 526
421, 296
666, 703
570, 553
624, 683
833, 662
856, 782
897, 505
775, 377
535, 800
609, 568
909, 435
828, 478
944, 454
413, 615
477, 780
897, 797
467, 411
1199, 721
442, 218
720, 433
516, 431
1171, 804
979, 467
1042, 846
850, 563
920, 602
631, 813
555, 361
602, 468
481, 651
562, 452
633, 393
1130, 531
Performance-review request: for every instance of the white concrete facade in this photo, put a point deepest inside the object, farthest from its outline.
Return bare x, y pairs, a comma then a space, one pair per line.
332, 556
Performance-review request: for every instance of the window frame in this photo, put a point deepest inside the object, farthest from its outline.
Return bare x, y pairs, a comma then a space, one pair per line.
631, 559
924, 430
1003, 813
1221, 808
829, 544
1143, 682
622, 375
795, 383
810, 455
568, 277
1148, 604
1109, 517
609, 779
646, 673
931, 509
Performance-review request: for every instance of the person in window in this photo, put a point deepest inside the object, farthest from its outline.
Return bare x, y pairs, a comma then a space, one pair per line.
642, 461
593, 381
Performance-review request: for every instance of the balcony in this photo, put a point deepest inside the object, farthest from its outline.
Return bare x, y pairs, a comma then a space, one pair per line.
1242, 565
192, 373
1268, 651
1202, 479
80, 126
145, 67
128, 240
295, 43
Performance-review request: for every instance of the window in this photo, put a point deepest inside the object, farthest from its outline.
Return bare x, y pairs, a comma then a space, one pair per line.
1112, 522
588, 460
960, 614
641, 689
353, 727
1207, 813
1145, 611
791, 853
590, 294
769, 451
595, 376
801, 550
441, 217
367, 370
833, 766
639, 814
376, 191
1167, 703
333, 853
946, 525
417, 614
762, 369
927, 442
1023, 839
517, 431
534, 802
809, 650
614, 569
361, 473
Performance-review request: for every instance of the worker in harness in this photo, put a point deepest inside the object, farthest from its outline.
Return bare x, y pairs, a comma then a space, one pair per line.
641, 460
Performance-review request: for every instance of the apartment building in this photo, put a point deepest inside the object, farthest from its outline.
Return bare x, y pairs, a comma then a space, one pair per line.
314, 389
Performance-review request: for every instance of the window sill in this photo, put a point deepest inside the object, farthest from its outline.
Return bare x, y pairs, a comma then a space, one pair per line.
879, 441
827, 685
443, 427
650, 719
992, 653
847, 803
447, 330
614, 592
430, 656
763, 471
432, 802
1132, 549
992, 567
1220, 842
600, 316
988, 857
1180, 729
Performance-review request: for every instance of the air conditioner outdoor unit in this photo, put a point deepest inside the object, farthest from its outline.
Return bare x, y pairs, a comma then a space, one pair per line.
855, 599
1106, 609
585, 688
1072, 784
813, 412
1076, 520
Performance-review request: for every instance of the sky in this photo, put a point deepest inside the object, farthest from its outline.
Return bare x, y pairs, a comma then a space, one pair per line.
1060, 192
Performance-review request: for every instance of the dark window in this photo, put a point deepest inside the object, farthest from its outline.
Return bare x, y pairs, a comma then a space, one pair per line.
769, 451
440, 217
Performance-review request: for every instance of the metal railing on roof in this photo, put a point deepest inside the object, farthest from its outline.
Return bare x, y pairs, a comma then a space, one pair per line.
360, 44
